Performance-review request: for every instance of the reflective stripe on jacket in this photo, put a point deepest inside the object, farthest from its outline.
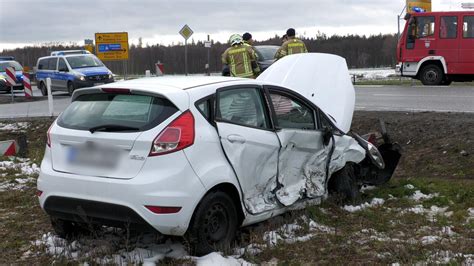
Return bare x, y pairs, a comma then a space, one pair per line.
292, 46
240, 58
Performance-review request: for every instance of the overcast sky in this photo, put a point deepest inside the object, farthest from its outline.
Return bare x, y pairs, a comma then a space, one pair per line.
25, 22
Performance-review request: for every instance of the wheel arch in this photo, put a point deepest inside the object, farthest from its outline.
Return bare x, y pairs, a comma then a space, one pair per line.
232, 191
435, 60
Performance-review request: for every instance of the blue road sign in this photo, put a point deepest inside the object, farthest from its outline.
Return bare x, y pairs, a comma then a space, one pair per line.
110, 47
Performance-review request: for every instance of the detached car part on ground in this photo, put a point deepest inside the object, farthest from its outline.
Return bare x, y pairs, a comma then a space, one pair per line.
202, 156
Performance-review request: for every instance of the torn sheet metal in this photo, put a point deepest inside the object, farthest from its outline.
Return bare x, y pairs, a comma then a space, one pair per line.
303, 160
253, 154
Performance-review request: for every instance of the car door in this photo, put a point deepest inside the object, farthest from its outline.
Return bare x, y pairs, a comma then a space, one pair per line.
421, 41
250, 144
448, 42
466, 51
303, 158
62, 75
53, 72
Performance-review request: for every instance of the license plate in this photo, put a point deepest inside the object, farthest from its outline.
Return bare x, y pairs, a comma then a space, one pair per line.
100, 83
93, 156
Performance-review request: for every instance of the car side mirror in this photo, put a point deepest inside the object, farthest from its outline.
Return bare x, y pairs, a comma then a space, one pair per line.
63, 70
327, 135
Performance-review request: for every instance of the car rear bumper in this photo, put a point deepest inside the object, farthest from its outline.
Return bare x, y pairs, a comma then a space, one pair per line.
72, 197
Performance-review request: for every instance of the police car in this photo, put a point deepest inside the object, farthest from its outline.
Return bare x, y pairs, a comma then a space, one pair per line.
71, 70
4, 63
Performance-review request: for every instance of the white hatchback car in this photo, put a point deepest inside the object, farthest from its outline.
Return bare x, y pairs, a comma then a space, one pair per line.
201, 156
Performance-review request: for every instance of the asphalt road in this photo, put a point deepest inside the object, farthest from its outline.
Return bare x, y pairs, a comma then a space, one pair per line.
370, 98
415, 98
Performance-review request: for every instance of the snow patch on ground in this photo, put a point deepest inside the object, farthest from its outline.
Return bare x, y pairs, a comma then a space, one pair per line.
148, 253
470, 214
375, 202
372, 73
418, 195
427, 240
13, 126
288, 233
447, 256
431, 212
409, 186
365, 188
26, 172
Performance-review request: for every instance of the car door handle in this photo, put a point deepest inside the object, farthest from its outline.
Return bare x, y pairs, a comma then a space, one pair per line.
236, 139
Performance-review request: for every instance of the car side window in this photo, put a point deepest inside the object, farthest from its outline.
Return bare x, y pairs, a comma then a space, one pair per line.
62, 65
52, 62
203, 107
242, 106
291, 113
42, 64
325, 121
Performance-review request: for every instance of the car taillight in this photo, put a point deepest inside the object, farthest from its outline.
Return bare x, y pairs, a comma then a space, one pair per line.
163, 210
48, 135
178, 135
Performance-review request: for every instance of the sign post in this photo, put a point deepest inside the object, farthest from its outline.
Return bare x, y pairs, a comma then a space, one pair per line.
50, 97
89, 45
11, 79
186, 32
112, 46
27, 85
208, 45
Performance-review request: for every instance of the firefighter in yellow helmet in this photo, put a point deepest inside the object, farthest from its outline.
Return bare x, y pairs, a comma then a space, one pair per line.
293, 45
240, 58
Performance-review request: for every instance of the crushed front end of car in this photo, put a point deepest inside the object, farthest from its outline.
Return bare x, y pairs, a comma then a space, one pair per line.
382, 157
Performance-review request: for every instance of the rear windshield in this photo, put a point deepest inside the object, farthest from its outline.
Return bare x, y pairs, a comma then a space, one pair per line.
142, 112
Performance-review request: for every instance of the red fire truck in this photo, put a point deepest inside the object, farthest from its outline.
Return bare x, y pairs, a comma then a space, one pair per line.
437, 47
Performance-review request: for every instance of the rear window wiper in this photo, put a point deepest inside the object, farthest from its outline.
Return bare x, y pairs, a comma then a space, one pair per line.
111, 128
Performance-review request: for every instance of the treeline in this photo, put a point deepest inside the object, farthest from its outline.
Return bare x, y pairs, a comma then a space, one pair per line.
359, 51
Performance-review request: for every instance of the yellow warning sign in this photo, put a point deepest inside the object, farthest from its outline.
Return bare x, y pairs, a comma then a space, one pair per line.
111, 46
423, 4
89, 47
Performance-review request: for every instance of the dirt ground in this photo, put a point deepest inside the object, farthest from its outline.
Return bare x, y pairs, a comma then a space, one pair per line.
434, 144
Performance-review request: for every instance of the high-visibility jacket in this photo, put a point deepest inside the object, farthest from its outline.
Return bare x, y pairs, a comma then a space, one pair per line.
292, 46
253, 48
241, 60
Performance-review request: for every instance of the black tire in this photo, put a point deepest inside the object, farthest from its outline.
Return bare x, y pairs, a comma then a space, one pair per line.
214, 224
343, 183
43, 89
67, 229
431, 75
446, 82
70, 88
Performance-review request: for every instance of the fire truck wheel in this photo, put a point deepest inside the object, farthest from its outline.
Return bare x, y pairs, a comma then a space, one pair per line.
431, 75
446, 82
